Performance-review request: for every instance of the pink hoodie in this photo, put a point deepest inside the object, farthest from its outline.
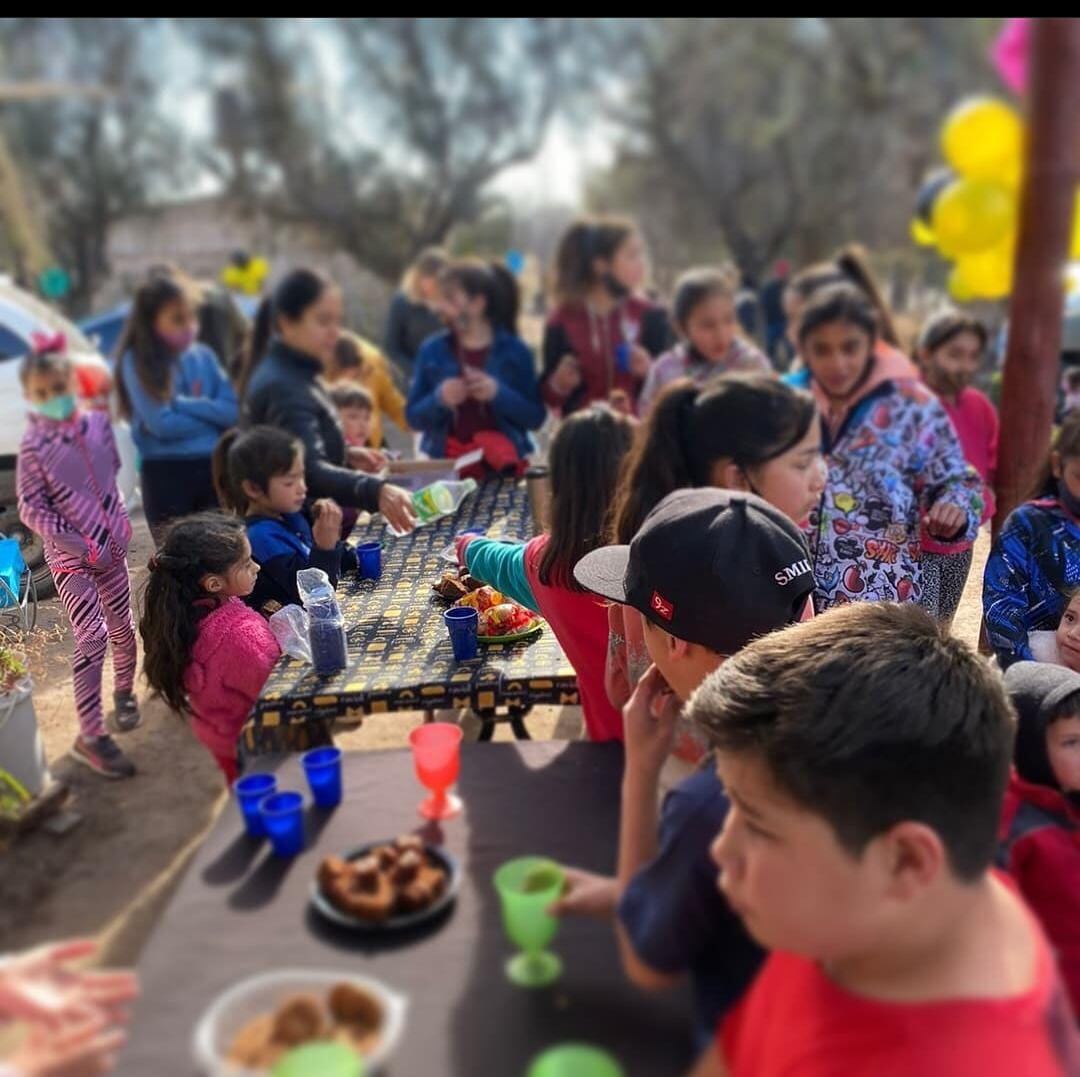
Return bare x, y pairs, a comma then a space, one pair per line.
232, 657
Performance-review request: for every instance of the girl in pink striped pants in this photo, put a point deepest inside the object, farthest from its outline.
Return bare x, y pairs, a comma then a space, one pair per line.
66, 480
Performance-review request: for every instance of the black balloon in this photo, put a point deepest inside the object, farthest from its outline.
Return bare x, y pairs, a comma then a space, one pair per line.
929, 192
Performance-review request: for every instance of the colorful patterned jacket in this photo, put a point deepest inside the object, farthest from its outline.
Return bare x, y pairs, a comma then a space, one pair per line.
893, 456
66, 480
1033, 565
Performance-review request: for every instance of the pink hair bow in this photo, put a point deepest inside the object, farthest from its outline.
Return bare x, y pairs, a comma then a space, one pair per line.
43, 343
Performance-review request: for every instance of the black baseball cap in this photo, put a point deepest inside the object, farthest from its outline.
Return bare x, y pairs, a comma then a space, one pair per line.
712, 567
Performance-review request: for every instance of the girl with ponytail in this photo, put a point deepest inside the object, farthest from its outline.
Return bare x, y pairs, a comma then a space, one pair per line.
744, 432
204, 651
603, 333
475, 382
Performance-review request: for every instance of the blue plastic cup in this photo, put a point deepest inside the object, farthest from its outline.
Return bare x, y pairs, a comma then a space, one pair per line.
463, 622
622, 357
323, 769
249, 792
283, 818
369, 554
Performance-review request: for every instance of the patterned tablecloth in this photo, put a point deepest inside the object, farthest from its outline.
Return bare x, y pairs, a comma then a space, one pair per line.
400, 657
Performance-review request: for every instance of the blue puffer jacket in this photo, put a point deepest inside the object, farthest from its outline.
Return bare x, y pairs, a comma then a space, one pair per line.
1034, 564
517, 405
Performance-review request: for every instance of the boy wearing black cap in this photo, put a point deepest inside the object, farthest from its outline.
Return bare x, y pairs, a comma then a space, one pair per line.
1041, 829
709, 571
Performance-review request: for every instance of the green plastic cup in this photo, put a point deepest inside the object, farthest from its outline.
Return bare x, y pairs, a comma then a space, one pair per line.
575, 1060
325, 1059
527, 886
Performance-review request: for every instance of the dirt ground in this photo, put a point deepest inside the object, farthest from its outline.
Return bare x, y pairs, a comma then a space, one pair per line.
113, 874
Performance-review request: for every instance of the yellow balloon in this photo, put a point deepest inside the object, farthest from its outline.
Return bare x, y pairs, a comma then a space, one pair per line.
981, 137
958, 287
922, 234
987, 274
972, 215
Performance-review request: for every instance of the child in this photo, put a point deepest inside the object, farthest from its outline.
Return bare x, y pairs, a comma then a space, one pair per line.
1062, 646
355, 409
742, 570
1035, 562
358, 362
704, 315
205, 652
1042, 814
950, 350
895, 465
850, 266
603, 332
177, 398
584, 464
866, 756
1070, 390
260, 475
475, 383
745, 432
66, 479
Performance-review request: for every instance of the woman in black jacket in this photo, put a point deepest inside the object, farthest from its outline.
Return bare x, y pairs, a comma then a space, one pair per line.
293, 342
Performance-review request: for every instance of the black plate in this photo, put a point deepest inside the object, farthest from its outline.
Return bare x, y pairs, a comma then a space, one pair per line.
436, 853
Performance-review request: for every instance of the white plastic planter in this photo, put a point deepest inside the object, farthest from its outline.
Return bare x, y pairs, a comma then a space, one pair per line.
22, 753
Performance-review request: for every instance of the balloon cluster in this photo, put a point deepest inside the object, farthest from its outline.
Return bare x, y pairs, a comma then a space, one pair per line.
968, 211
244, 274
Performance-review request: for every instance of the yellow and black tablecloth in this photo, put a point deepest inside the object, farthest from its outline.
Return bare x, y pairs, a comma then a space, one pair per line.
400, 657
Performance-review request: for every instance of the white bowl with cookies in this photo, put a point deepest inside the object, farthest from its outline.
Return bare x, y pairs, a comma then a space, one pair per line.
251, 1026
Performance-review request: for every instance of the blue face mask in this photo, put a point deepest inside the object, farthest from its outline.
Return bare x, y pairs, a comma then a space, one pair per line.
59, 408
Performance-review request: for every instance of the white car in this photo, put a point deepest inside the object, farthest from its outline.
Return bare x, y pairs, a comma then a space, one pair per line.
22, 314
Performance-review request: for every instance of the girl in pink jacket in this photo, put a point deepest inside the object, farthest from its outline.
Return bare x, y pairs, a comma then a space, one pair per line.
205, 652
66, 480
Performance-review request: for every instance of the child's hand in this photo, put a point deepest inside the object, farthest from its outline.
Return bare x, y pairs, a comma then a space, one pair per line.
453, 392
640, 362
327, 527
396, 505
944, 520
649, 724
363, 459
592, 896
567, 375
481, 386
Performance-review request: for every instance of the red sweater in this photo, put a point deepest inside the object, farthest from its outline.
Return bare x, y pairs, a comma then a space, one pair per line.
232, 657
1041, 848
572, 328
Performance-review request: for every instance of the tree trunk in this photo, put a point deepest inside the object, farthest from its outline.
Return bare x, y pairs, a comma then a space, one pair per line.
1029, 385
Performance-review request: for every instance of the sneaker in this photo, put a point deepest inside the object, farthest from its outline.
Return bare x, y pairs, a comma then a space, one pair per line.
102, 755
125, 716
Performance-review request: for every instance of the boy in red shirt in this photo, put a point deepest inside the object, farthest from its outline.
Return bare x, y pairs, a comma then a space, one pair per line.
866, 757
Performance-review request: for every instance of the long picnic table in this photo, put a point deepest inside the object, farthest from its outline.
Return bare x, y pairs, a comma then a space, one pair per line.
240, 911
399, 653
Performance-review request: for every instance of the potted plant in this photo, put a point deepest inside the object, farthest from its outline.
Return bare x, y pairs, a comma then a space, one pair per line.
23, 771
